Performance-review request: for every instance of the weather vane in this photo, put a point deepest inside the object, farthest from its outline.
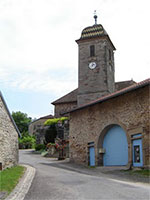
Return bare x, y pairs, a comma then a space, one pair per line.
95, 17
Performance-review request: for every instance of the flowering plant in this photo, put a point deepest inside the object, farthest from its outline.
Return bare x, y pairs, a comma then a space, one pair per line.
49, 145
59, 144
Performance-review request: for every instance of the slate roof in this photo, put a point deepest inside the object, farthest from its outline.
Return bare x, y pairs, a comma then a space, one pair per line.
113, 95
68, 98
45, 117
123, 84
72, 96
11, 118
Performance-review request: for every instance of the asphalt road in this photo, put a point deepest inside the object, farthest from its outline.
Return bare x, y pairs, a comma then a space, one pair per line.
53, 181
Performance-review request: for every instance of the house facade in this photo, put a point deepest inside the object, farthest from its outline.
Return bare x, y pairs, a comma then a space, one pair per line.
109, 125
114, 130
69, 101
38, 123
38, 129
65, 103
8, 137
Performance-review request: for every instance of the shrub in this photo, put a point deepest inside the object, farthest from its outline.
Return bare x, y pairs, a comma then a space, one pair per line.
44, 153
26, 142
51, 134
39, 147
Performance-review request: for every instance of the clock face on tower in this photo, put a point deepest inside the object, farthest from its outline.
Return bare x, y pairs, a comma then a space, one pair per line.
92, 65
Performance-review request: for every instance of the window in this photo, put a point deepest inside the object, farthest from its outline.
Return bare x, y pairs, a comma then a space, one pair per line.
109, 55
92, 50
137, 153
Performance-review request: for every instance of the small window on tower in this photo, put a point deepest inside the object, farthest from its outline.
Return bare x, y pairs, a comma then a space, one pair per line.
109, 55
92, 50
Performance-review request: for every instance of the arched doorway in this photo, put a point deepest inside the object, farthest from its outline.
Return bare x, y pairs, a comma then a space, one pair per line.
116, 147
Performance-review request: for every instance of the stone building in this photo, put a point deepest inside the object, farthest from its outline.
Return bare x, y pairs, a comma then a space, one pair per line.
38, 129
69, 101
96, 70
114, 129
38, 123
109, 121
8, 137
65, 103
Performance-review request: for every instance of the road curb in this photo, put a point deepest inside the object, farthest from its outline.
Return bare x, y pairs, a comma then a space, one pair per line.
24, 185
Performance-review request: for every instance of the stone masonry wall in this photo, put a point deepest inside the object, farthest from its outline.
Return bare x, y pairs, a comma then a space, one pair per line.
8, 139
63, 107
36, 125
99, 81
130, 111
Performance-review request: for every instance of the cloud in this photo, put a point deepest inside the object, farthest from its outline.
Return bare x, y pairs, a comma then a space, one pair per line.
38, 53
30, 37
37, 40
50, 81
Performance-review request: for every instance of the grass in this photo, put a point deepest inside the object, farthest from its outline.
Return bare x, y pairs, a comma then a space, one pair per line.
144, 172
91, 167
10, 177
141, 172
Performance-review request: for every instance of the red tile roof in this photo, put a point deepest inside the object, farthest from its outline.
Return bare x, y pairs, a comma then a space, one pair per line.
112, 95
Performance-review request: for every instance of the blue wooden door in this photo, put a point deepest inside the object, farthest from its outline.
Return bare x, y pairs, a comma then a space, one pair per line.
116, 147
92, 156
137, 153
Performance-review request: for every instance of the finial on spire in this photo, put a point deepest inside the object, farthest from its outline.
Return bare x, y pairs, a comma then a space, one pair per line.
95, 17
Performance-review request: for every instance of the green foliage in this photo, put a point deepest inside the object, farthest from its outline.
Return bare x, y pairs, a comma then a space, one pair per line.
51, 132
44, 153
144, 172
27, 141
51, 121
22, 121
39, 147
91, 167
50, 145
55, 121
62, 119
25, 134
10, 177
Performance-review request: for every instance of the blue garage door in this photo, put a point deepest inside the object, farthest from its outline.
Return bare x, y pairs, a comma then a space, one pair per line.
116, 147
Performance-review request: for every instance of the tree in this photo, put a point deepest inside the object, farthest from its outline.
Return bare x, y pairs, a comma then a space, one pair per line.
54, 130
51, 134
22, 121
27, 142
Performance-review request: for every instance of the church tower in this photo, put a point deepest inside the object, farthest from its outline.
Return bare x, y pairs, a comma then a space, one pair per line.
96, 64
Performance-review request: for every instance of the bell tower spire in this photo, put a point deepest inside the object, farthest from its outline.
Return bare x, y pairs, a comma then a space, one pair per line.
96, 64
95, 17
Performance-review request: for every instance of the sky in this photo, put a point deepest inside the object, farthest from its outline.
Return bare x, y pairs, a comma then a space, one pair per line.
39, 55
